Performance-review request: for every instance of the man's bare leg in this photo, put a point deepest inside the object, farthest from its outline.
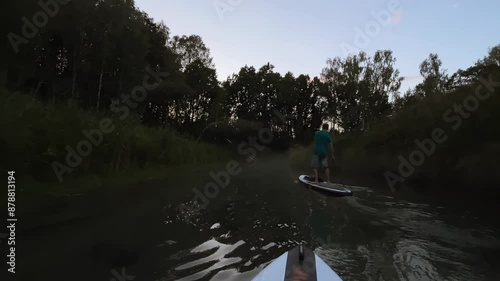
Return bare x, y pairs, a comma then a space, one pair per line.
327, 171
316, 175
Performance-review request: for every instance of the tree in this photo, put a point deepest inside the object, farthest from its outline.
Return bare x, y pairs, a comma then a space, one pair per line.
435, 78
487, 65
360, 87
242, 93
189, 49
493, 57
203, 81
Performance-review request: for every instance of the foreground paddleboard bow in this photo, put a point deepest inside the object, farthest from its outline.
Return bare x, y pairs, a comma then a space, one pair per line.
299, 263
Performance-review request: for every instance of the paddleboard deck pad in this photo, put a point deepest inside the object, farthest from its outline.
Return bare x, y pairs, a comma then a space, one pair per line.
333, 188
298, 264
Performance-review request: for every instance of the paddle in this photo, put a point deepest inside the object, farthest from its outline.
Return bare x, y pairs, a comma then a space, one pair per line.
341, 177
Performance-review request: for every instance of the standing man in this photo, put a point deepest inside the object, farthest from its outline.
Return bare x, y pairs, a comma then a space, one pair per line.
322, 140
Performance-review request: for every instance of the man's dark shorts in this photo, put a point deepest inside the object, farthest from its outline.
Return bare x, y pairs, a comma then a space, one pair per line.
319, 161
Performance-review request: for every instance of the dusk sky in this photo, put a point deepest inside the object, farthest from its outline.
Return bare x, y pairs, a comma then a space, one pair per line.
299, 36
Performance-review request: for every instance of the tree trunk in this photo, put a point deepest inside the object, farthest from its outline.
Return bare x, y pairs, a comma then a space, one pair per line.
100, 84
103, 64
189, 112
76, 60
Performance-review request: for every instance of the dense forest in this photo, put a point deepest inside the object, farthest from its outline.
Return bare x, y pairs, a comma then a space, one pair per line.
93, 57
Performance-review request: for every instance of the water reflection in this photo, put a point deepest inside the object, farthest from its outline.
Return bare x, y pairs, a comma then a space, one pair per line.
370, 236
215, 260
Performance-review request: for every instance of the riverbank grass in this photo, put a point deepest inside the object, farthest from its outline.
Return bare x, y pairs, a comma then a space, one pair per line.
36, 135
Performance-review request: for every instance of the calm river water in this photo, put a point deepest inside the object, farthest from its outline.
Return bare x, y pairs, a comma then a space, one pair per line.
375, 235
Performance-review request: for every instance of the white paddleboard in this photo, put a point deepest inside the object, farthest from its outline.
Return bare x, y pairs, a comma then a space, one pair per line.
334, 188
298, 264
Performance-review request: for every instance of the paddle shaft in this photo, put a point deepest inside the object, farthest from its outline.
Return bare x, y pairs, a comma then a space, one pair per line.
340, 173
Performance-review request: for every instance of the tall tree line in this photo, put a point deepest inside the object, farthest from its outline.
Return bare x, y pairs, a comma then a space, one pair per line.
91, 52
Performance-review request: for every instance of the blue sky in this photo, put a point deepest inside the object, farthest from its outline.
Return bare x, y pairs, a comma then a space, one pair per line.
299, 36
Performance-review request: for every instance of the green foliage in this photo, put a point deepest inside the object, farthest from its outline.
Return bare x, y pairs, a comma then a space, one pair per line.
434, 78
360, 86
95, 52
190, 49
37, 134
468, 156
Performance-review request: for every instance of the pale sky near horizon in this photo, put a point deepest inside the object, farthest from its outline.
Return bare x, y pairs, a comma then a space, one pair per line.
299, 36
